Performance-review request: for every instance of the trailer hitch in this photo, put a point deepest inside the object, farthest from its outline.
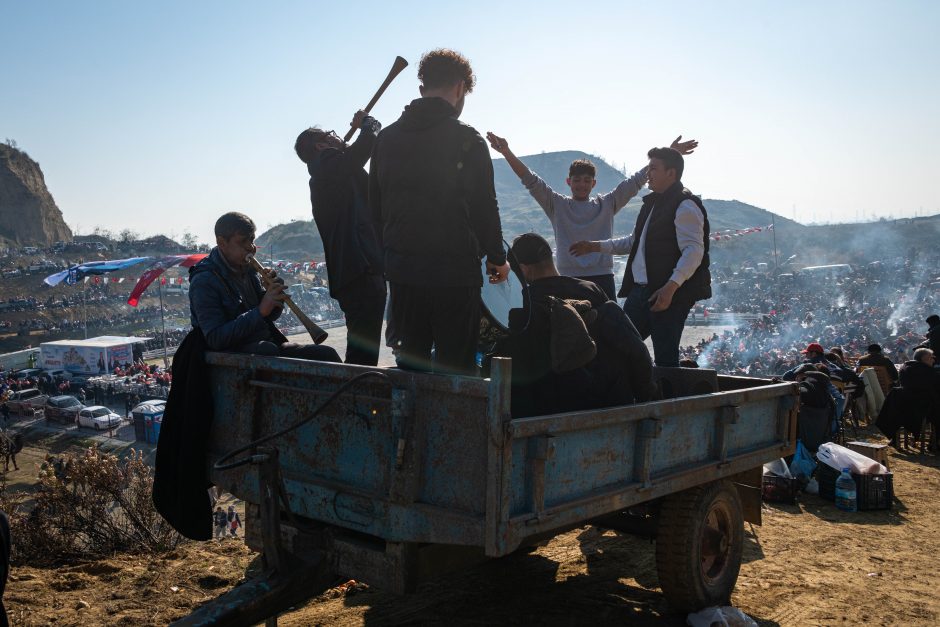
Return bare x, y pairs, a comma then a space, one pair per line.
287, 579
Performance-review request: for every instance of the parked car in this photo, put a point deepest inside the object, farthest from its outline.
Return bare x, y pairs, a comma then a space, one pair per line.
63, 409
27, 373
98, 417
26, 401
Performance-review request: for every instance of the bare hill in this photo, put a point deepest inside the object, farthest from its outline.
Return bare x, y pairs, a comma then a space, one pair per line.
28, 213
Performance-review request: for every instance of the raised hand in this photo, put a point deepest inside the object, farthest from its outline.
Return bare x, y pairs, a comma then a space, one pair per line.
498, 143
357, 118
684, 147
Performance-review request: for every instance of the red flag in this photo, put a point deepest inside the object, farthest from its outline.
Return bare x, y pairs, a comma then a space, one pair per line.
157, 268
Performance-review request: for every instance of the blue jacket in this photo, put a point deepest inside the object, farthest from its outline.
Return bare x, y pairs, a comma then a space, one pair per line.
217, 308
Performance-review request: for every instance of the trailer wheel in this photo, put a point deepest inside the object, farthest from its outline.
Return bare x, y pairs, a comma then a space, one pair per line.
699, 544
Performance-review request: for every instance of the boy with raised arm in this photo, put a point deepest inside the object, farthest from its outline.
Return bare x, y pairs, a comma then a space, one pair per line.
579, 217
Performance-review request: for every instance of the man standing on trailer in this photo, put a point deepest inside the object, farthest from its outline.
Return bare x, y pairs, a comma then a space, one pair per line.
431, 189
339, 195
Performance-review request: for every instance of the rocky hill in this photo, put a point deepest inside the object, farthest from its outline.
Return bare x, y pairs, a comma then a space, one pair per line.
28, 213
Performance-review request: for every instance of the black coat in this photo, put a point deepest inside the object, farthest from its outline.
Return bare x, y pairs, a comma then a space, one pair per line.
339, 188
431, 189
181, 479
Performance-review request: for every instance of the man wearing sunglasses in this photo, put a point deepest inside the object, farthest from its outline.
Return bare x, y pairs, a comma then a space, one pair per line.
339, 195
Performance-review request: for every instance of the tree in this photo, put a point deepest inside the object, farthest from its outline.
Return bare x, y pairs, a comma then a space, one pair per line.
189, 241
127, 236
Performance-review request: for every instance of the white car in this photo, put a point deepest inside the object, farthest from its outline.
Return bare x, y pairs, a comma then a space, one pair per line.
98, 418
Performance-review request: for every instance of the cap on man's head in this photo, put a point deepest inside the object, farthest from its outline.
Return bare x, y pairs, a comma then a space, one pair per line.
874, 348
531, 248
933, 320
814, 348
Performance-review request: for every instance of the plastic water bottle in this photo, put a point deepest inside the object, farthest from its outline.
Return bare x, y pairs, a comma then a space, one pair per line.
846, 498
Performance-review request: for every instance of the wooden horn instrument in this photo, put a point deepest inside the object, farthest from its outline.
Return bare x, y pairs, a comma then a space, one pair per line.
317, 334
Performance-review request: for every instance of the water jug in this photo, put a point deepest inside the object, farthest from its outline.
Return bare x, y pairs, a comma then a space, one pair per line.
846, 498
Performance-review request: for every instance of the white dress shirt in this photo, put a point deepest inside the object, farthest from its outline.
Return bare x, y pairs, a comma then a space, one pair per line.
690, 234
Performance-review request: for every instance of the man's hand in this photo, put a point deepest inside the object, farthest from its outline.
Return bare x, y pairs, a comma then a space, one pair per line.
582, 248
498, 274
498, 143
273, 298
357, 119
662, 298
684, 148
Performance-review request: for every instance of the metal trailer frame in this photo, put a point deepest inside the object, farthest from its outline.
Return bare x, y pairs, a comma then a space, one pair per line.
403, 479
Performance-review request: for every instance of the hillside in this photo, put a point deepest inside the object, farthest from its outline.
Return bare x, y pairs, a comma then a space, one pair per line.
28, 213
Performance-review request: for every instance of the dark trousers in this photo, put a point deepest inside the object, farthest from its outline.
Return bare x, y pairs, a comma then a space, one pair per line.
363, 304
665, 327
445, 318
603, 281
290, 349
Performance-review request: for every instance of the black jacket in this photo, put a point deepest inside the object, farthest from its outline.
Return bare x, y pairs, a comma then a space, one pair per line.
339, 188
180, 479
814, 391
878, 359
431, 189
922, 380
620, 374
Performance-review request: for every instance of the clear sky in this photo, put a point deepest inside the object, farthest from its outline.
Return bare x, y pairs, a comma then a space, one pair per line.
160, 116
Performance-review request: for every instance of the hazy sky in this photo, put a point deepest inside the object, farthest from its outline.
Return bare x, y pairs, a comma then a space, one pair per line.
160, 116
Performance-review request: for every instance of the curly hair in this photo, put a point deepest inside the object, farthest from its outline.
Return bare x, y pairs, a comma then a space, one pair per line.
443, 68
582, 166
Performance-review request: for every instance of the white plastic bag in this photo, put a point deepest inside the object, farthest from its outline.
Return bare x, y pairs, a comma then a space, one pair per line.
838, 457
777, 468
726, 616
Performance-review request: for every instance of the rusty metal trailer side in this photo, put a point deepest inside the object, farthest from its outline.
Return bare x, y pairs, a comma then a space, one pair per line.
413, 474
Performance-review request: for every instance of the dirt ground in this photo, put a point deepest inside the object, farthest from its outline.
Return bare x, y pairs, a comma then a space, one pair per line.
809, 564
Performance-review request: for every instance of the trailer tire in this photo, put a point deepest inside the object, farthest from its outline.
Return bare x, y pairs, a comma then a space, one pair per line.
699, 544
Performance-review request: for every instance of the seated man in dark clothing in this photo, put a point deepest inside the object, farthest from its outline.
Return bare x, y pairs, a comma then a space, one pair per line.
817, 407
617, 371
921, 379
876, 358
228, 304
917, 399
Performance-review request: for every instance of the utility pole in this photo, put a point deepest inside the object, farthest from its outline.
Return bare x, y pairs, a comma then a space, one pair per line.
166, 363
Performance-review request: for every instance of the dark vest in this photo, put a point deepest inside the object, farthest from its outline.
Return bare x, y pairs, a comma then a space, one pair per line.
662, 246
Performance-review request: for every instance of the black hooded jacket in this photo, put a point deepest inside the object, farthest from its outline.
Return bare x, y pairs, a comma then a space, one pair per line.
431, 190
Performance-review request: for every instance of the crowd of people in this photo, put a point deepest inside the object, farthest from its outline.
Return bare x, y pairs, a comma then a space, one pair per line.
885, 303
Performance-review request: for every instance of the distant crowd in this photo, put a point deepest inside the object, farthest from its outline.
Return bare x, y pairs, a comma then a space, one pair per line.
885, 302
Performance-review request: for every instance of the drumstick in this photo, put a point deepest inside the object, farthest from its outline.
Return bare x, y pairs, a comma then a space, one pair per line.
315, 331
399, 65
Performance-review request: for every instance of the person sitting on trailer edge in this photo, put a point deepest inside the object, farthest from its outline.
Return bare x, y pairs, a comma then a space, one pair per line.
228, 304
572, 348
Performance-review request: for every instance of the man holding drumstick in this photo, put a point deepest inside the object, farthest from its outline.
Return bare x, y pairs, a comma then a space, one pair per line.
431, 189
339, 195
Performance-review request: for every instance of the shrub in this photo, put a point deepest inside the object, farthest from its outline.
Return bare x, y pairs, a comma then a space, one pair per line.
87, 506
